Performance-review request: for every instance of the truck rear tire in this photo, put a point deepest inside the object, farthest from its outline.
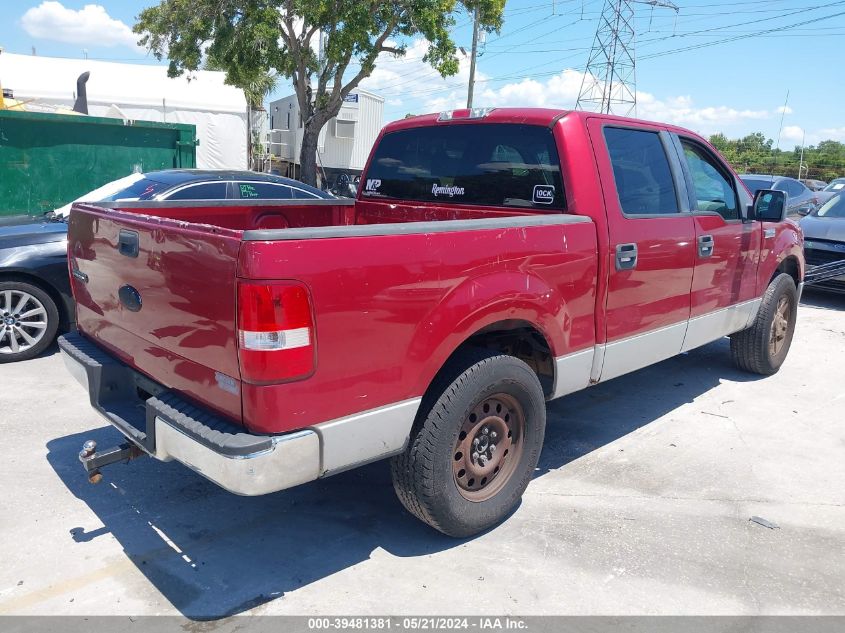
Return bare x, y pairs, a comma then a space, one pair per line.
762, 347
475, 444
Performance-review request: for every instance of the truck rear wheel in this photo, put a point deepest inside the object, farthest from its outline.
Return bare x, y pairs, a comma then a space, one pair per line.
762, 348
475, 445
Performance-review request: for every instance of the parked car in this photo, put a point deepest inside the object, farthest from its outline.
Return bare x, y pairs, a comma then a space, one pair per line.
492, 260
814, 185
204, 184
835, 186
33, 257
800, 200
35, 295
824, 239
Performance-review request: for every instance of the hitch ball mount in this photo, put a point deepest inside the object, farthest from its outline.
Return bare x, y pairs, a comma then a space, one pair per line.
93, 461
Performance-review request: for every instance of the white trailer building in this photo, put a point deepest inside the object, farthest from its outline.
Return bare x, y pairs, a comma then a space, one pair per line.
140, 92
344, 143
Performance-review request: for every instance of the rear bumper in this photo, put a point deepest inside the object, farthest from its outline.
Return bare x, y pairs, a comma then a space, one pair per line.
167, 427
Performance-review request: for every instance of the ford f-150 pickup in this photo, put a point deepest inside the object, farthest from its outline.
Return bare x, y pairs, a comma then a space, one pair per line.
492, 260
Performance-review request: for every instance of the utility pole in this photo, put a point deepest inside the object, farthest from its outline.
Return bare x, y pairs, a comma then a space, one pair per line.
801, 161
471, 87
609, 85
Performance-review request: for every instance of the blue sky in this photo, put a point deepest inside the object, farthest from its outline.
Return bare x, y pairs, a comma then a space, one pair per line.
735, 86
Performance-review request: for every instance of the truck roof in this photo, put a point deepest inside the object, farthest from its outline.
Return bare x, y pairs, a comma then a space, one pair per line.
528, 116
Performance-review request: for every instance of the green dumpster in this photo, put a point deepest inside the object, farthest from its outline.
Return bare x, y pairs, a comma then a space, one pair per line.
48, 160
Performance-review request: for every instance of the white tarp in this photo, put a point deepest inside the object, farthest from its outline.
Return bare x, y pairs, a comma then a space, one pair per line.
141, 92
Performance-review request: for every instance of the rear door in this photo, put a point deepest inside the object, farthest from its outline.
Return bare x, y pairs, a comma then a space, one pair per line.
726, 247
651, 245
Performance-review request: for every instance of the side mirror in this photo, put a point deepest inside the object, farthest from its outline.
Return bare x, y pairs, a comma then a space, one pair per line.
769, 205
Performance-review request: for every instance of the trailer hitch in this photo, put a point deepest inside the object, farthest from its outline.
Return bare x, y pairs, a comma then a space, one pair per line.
93, 461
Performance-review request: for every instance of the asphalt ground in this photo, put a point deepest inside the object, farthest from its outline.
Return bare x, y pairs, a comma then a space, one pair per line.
642, 504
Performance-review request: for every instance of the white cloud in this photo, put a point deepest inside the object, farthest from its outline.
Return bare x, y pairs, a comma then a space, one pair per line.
558, 91
561, 91
791, 133
411, 85
829, 134
704, 120
90, 25
784, 110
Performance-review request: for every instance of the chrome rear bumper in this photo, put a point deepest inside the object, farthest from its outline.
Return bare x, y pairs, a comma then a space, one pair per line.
167, 427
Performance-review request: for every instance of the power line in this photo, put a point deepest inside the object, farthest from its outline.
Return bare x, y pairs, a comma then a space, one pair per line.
742, 37
519, 74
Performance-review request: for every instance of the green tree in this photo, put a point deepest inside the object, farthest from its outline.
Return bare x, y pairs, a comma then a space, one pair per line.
252, 39
754, 154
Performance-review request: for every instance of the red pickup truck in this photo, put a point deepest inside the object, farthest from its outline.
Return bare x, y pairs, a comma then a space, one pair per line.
493, 260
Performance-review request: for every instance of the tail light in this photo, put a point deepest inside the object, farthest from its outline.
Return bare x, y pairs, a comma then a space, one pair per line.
275, 332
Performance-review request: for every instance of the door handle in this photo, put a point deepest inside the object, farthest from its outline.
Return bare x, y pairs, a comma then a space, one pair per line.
127, 243
705, 245
626, 256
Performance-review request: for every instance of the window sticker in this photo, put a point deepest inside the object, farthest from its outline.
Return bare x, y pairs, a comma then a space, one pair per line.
439, 190
248, 190
372, 185
544, 194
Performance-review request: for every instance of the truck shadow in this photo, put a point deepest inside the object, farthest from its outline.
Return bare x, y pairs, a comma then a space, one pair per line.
212, 554
587, 420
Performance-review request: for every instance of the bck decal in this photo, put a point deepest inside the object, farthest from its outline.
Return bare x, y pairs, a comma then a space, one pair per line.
452, 191
372, 184
544, 194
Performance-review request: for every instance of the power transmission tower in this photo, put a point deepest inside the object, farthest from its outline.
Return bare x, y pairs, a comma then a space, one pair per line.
610, 80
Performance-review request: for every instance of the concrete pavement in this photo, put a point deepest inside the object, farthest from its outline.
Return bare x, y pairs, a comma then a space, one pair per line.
641, 505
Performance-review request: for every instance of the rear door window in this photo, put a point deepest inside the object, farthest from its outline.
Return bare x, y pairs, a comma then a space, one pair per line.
300, 194
203, 191
507, 165
794, 188
262, 191
641, 170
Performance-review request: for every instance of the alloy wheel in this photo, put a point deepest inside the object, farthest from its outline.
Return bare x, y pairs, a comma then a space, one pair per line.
23, 321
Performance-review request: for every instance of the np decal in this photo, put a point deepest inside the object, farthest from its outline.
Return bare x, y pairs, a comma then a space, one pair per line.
544, 194
438, 190
373, 184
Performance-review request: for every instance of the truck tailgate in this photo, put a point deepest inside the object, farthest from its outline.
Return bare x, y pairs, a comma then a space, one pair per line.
160, 295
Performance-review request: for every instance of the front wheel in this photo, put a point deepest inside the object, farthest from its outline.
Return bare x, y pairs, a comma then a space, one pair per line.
762, 347
475, 445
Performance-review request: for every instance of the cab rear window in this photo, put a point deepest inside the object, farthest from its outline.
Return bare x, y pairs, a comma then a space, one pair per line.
507, 165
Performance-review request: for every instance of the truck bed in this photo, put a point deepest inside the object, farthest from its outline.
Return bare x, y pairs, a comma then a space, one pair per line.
392, 289
283, 214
